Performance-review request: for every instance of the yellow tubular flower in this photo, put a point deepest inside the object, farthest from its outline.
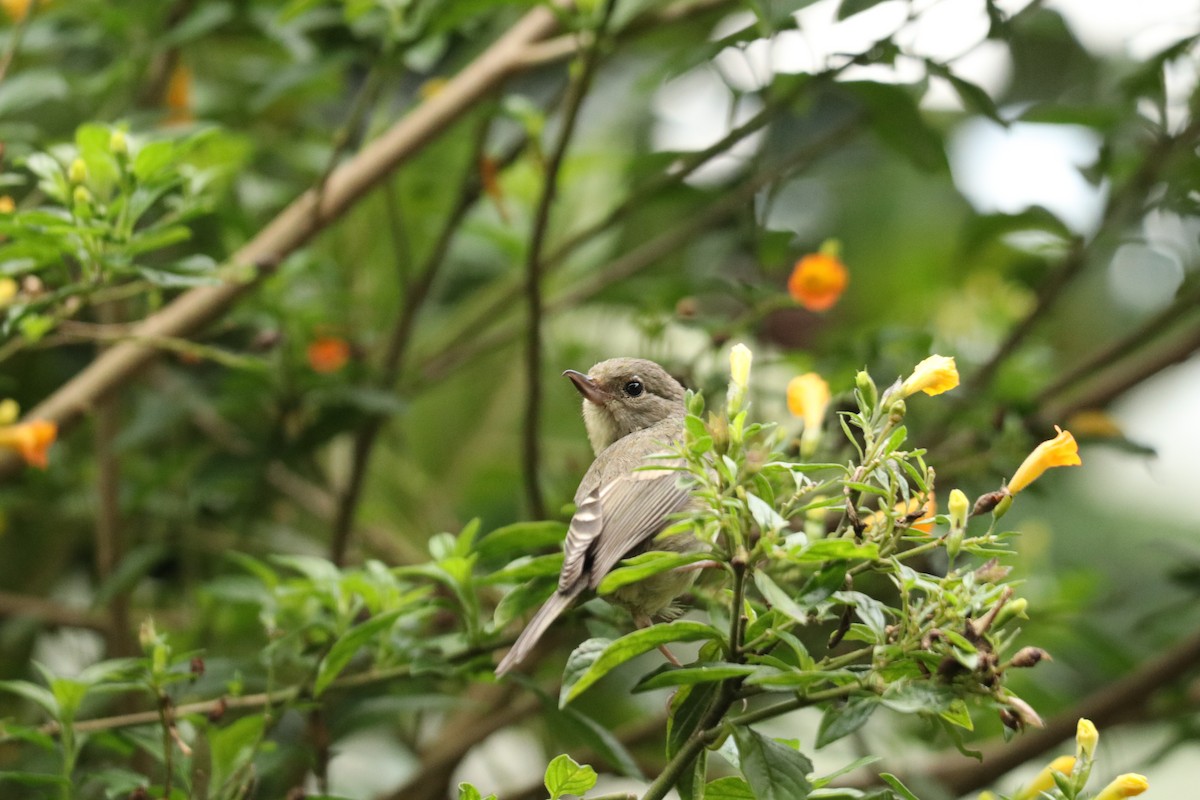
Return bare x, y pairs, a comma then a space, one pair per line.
1086, 737
1045, 779
808, 398
1128, 785
932, 376
1061, 451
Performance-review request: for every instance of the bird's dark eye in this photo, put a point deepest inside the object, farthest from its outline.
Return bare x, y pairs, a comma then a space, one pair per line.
634, 388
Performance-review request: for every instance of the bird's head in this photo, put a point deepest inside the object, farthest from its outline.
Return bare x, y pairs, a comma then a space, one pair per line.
623, 395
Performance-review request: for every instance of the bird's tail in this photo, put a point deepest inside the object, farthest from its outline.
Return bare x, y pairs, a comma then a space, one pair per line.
550, 610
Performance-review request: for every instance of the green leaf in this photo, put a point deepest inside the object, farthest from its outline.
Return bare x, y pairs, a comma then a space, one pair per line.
153, 159
778, 599
644, 565
894, 782
688, 676
629, 646
897, 121
521, 599
468, 792
687, 710
730, 788
843, 719
31, 87
835, 550
773, 771
344, 648
565, 776
519, 539
31, 691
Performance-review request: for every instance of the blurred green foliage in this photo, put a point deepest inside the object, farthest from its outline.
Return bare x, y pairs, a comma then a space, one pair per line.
234, 458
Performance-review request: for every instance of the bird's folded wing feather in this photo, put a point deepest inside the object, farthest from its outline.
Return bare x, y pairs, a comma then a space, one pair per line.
634, 508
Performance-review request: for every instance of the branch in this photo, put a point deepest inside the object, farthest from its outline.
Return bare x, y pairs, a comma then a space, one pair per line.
1122, 205
298, 223
534, 267
646, 254
51, 612
1116, 381
397, 344
1186, 303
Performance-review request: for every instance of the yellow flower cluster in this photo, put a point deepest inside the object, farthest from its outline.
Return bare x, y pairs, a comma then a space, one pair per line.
1076, 769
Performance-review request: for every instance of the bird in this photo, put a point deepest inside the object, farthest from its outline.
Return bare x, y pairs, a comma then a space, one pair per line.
634, 413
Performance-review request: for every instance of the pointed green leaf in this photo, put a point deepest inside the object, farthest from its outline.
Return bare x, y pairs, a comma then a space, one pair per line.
773, 771
344, 649
645, 565
842, 719
634, 644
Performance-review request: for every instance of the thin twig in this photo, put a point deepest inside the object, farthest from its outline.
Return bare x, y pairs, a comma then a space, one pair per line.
393, 358
645, 255
530, 450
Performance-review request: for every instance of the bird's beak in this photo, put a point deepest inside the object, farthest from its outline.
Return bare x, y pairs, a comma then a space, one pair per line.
587, 387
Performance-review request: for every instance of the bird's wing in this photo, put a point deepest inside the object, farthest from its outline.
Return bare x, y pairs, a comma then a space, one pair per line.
585, 527
633, 507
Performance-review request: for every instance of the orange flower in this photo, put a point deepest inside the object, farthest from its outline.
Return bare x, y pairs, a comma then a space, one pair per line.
1061, 451
818, 280
328, 354
178, 96
7, 206
31, 439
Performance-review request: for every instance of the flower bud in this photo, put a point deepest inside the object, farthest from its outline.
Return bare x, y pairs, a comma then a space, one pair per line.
118, 143
1013, 609
1086, 738
82, 202
958, 507
1029, 657
8, 290
896, 411
147, 635
78, 171
740, 358
866, 389
9, 411
992, 571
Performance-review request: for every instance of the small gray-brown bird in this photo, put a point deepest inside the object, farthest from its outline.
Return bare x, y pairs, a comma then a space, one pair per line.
633, 410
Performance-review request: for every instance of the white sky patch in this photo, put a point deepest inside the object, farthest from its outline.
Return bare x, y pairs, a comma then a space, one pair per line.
1011, 169
696, 110
1160, 413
